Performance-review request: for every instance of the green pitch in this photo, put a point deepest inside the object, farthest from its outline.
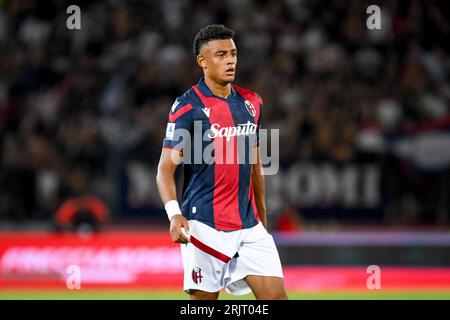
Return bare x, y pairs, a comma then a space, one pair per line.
142, 295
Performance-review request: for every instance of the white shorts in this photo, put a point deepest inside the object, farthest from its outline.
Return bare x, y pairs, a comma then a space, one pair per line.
222, 259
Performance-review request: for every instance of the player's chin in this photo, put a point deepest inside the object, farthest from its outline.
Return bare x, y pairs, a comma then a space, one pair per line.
228, 77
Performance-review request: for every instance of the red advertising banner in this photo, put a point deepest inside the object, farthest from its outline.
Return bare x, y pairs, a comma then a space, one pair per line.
151, 260
117, 258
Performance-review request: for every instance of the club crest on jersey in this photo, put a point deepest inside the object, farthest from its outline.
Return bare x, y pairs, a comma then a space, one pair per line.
197, 275
250, 108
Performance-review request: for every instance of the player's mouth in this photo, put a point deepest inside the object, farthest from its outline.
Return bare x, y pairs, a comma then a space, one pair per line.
230, 71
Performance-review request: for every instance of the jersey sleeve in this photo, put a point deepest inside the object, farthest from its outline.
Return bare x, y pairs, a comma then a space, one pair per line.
179, 125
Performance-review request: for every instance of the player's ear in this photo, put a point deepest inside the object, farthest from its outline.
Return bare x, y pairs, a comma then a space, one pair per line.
201, 61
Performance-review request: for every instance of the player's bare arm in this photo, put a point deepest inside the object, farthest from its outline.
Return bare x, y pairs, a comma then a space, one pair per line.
258, 182
165, 180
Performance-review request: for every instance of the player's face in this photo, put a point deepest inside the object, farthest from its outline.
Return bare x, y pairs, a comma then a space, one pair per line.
218, 58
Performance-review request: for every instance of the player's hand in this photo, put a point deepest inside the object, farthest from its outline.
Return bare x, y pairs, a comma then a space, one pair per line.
179, 229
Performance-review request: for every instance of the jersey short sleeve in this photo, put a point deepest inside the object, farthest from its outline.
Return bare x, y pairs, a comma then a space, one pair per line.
179, 124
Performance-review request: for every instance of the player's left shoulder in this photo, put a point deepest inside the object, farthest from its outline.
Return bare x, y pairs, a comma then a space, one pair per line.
248, 94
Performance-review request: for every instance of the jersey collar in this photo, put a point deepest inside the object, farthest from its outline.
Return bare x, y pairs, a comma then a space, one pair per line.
201, 85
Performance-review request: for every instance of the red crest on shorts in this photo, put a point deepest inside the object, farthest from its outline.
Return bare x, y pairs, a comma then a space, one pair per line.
197, 275
250, 108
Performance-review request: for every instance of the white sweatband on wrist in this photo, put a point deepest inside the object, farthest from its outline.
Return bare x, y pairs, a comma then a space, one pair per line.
172, 208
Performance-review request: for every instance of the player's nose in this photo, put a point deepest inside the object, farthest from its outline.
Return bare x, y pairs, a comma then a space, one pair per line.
230, 60
230, 64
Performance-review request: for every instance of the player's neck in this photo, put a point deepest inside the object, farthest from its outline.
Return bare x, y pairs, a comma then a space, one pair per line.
219, 90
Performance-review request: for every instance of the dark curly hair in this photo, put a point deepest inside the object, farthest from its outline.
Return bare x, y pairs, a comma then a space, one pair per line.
211, 32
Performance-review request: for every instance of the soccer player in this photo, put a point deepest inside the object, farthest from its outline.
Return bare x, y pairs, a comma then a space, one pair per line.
222, 222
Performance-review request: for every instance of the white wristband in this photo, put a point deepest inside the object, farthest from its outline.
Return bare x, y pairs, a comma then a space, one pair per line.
172, 208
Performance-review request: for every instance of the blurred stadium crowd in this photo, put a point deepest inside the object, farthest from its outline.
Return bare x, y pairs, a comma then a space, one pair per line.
75, 102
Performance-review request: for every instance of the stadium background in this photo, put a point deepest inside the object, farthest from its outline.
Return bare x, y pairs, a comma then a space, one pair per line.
364, 125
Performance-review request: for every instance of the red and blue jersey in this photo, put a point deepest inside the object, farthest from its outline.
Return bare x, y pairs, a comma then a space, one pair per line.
217, 187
